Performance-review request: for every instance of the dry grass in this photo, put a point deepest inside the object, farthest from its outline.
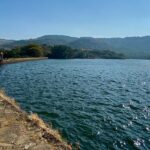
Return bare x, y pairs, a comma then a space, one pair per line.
47, 131
9, 101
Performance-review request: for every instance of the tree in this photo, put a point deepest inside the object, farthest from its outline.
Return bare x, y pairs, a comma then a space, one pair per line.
32, 50
61, 52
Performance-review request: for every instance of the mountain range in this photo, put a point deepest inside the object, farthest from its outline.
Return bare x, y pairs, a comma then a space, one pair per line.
131, 47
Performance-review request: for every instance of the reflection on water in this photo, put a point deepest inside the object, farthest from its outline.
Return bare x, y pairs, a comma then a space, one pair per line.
102, 104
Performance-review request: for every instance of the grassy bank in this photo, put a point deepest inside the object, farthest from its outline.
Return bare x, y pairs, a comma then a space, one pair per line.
17, 60
18, 130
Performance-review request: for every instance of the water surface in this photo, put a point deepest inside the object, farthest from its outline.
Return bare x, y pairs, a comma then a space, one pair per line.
101, 104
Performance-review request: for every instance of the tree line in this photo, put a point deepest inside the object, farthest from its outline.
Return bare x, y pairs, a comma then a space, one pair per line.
59, 52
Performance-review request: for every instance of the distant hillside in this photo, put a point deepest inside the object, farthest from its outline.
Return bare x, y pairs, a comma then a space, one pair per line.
3, 42
55, 39
90, 43
47, 39
132, 47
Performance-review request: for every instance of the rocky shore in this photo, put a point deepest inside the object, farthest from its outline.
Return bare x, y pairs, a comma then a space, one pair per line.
20, 131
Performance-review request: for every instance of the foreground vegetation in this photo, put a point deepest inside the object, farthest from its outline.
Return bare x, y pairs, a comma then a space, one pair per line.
58, 52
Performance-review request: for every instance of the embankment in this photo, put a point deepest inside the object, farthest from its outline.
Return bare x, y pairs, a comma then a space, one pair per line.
16, 60
20, 131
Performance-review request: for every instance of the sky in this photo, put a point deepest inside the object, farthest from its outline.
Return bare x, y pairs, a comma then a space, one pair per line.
24, 19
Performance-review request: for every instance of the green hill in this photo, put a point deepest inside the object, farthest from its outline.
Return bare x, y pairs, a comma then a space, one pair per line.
132, 47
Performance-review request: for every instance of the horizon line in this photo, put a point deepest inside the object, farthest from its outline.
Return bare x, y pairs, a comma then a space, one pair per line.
121, 37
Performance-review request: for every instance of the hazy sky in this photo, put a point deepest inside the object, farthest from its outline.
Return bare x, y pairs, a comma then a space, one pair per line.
20, 19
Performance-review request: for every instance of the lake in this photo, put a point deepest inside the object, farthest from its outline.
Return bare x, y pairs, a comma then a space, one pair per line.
101, 104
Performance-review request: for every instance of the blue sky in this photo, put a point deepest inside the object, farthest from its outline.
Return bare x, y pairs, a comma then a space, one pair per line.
21, 19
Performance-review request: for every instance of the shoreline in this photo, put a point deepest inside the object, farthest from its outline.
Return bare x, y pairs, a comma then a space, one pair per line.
19, 130
18, 60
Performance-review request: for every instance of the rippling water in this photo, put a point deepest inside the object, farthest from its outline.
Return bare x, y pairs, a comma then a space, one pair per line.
101, 104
